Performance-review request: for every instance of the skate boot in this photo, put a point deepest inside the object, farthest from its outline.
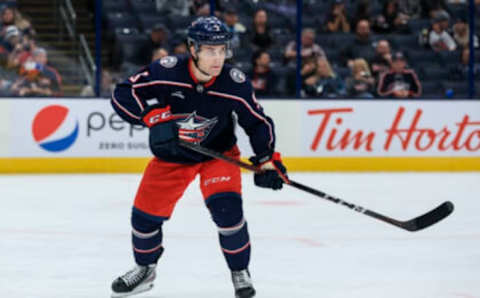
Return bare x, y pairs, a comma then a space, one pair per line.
242, 284
138, 280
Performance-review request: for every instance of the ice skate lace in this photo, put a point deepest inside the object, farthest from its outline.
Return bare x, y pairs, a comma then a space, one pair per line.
241, 279
134, 276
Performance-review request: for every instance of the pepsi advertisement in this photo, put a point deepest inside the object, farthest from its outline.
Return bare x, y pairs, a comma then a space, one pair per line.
73, 128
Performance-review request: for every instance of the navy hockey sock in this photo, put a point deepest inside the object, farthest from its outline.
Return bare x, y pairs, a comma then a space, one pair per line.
227, 213
235, 243
146, 240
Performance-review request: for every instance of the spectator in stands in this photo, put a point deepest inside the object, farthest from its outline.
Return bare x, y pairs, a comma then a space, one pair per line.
363, 11
200, 8
460, 71
382, 60
286, 8
159, 54
399, 82
179, 47
431, 7
38, 79
438, 38
411, 8
106, 87
177, 7
10, 40
261, 38
21, 52
394, 20
337, 20
158, 39
264, 80
461, 34
238, 29
361, 84
309, 48
11, 16
324, 82
362, 46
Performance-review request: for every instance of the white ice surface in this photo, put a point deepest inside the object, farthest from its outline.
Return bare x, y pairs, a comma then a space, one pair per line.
69, 236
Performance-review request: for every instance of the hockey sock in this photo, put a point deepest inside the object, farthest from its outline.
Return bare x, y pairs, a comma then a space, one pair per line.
235, 244
146, 240
227, 213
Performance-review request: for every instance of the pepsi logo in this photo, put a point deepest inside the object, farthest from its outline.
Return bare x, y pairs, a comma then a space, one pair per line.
54, 128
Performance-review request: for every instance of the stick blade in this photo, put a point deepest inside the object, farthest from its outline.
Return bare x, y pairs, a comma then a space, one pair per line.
429, 218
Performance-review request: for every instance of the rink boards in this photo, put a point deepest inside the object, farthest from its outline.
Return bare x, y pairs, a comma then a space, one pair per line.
85, 135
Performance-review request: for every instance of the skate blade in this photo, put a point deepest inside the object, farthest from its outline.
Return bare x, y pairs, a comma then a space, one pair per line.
138, 290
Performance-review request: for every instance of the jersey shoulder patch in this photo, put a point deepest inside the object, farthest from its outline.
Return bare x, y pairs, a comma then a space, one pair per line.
168, 61
237, 75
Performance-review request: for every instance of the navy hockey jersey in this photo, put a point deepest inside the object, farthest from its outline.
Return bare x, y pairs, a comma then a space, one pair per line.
205, 113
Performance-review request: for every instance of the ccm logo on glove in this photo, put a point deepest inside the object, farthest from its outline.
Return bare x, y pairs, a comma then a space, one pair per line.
156, 116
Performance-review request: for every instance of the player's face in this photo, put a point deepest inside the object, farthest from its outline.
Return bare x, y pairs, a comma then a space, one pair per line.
211, 58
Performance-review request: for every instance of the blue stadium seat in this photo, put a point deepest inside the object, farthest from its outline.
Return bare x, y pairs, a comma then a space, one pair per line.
176, 23
404, 41
148, 21
432, 89
416, 25
343, 72
435, 73
333, 54
449, 58
109, 6
458, 10
119, 19
422, 57
127, 40
143, 6
341, 40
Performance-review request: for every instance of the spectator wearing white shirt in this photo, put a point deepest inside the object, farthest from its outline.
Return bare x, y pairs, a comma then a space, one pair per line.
439, 39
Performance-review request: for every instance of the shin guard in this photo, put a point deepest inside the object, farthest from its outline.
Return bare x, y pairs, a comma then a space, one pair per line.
146, 240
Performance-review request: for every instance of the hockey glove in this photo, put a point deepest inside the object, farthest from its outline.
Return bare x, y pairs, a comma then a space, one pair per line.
274, 172
163, 138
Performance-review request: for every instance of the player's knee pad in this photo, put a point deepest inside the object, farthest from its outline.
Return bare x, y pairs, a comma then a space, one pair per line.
226, 209
144, 224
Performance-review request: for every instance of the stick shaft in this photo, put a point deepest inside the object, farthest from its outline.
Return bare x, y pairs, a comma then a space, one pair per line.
412, 225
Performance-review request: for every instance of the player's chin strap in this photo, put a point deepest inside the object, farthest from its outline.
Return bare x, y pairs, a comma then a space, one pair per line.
195, 61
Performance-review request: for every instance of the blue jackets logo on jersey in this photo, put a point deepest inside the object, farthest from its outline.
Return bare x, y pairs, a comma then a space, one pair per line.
195, 128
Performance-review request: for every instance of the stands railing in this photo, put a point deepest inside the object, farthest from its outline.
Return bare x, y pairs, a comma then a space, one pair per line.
85, 58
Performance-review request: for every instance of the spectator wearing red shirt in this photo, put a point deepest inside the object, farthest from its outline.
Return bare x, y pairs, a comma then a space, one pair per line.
399, 82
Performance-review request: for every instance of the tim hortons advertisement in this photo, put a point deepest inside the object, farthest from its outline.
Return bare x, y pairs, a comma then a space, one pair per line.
391, 128
73, 128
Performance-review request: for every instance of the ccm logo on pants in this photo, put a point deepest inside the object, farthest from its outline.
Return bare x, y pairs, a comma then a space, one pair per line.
216, 180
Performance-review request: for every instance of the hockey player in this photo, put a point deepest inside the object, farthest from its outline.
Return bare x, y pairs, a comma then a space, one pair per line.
196, 99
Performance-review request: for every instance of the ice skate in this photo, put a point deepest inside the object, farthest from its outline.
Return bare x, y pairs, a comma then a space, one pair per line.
242, 284
139, 279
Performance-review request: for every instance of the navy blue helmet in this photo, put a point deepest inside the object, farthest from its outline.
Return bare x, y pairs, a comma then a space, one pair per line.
209, 30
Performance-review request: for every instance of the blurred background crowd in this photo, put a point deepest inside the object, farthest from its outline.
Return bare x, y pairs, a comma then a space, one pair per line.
350, 48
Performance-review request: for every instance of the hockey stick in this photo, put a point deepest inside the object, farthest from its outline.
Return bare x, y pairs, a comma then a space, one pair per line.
412, 225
